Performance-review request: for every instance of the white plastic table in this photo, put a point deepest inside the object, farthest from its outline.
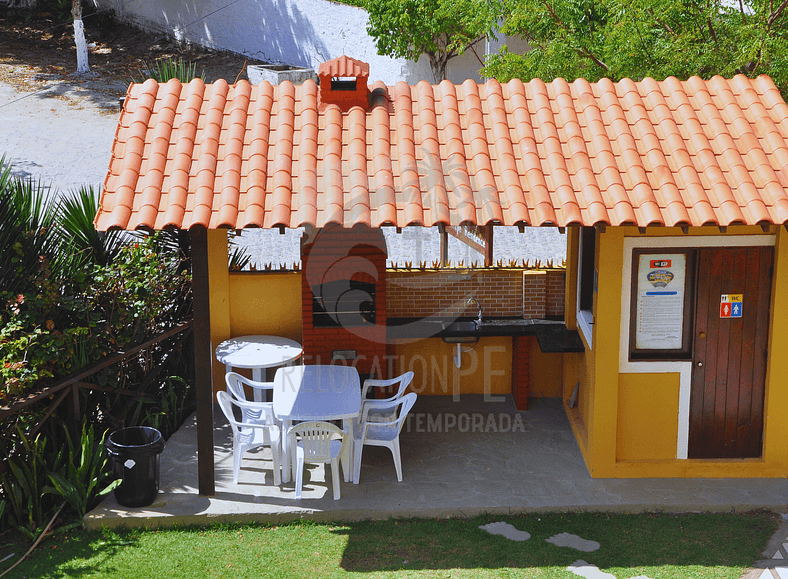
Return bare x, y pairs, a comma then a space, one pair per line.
257, 353
317, 392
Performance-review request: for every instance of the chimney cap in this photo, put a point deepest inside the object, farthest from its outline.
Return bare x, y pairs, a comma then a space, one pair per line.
343, 82
344, 66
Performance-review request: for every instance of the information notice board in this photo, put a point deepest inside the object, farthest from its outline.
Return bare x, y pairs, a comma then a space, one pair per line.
659, 303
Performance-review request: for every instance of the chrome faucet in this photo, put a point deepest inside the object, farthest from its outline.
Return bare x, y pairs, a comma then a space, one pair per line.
478, 305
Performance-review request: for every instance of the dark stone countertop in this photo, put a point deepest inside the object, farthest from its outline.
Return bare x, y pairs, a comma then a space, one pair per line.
552, 335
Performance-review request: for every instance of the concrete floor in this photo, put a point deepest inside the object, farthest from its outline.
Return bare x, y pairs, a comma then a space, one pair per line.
492, 459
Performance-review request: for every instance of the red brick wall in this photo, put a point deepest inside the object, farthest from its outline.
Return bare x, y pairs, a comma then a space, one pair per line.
445, 292
356, 254
502, 293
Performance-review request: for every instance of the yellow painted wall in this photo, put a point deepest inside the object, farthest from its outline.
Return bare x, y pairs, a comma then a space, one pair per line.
603, 363
572, 244
546, 373
266, 303
488, 367
775, 448
648, 416
248, 303
578, 368
622, 430
575, 374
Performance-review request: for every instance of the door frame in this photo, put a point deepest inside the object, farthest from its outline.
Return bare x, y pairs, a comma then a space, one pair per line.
681, 367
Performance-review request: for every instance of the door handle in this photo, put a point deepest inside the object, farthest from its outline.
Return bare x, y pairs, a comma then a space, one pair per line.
700, 364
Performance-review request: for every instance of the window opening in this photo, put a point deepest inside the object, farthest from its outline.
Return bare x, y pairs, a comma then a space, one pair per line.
341, 83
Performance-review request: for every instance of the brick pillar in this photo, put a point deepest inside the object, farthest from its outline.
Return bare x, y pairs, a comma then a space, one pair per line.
534, 294
521, 370
555, 291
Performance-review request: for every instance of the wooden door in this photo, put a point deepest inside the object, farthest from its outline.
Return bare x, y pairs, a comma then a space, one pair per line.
729, 353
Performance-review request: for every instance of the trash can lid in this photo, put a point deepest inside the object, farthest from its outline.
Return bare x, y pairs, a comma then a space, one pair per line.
136, 440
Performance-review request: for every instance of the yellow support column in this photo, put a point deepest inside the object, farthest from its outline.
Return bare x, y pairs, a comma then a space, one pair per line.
605, 353
775, 419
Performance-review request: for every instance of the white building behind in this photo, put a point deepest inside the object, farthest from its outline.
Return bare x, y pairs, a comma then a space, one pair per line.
301, 33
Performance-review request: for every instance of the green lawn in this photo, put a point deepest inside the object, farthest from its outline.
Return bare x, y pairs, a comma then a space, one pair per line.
656, 545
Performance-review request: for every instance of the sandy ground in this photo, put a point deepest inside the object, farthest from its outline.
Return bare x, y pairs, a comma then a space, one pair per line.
57, 126
60, 134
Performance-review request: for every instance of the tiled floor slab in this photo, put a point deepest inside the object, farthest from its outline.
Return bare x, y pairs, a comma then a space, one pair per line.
534, 467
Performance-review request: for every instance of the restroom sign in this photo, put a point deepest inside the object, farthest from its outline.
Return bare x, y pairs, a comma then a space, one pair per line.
731, 305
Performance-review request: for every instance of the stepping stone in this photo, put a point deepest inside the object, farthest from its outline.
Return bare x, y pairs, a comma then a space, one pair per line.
507, 530
573, 541
778, 555
588, 571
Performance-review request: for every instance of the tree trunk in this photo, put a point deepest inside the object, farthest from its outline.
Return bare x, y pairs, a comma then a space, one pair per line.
438, 64
79, 38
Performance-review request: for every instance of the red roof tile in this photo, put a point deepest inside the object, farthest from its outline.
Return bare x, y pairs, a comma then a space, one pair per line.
642, 153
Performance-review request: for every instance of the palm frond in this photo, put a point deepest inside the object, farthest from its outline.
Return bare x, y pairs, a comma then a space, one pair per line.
28, 236
76, 211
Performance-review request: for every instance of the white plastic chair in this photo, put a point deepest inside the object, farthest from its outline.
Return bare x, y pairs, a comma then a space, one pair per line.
316, 442
235, 386
375, 433
249, 434
374, 404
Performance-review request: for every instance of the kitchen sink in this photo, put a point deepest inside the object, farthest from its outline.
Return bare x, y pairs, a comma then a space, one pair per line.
468, 327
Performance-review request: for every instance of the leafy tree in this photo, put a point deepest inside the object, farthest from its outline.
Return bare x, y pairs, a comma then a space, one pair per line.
441, 29
615, 39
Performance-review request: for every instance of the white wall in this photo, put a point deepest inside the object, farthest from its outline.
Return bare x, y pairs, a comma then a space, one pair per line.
295, 32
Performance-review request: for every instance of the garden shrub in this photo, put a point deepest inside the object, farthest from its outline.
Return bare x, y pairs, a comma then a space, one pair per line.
70, 296
41, 337
46, 335
50, 469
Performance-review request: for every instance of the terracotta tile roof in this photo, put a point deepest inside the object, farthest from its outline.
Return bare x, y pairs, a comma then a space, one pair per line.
644, 153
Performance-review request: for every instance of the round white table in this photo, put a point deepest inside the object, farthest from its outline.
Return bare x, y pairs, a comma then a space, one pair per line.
257, 353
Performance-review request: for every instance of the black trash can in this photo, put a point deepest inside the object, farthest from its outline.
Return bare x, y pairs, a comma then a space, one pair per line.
134, 456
